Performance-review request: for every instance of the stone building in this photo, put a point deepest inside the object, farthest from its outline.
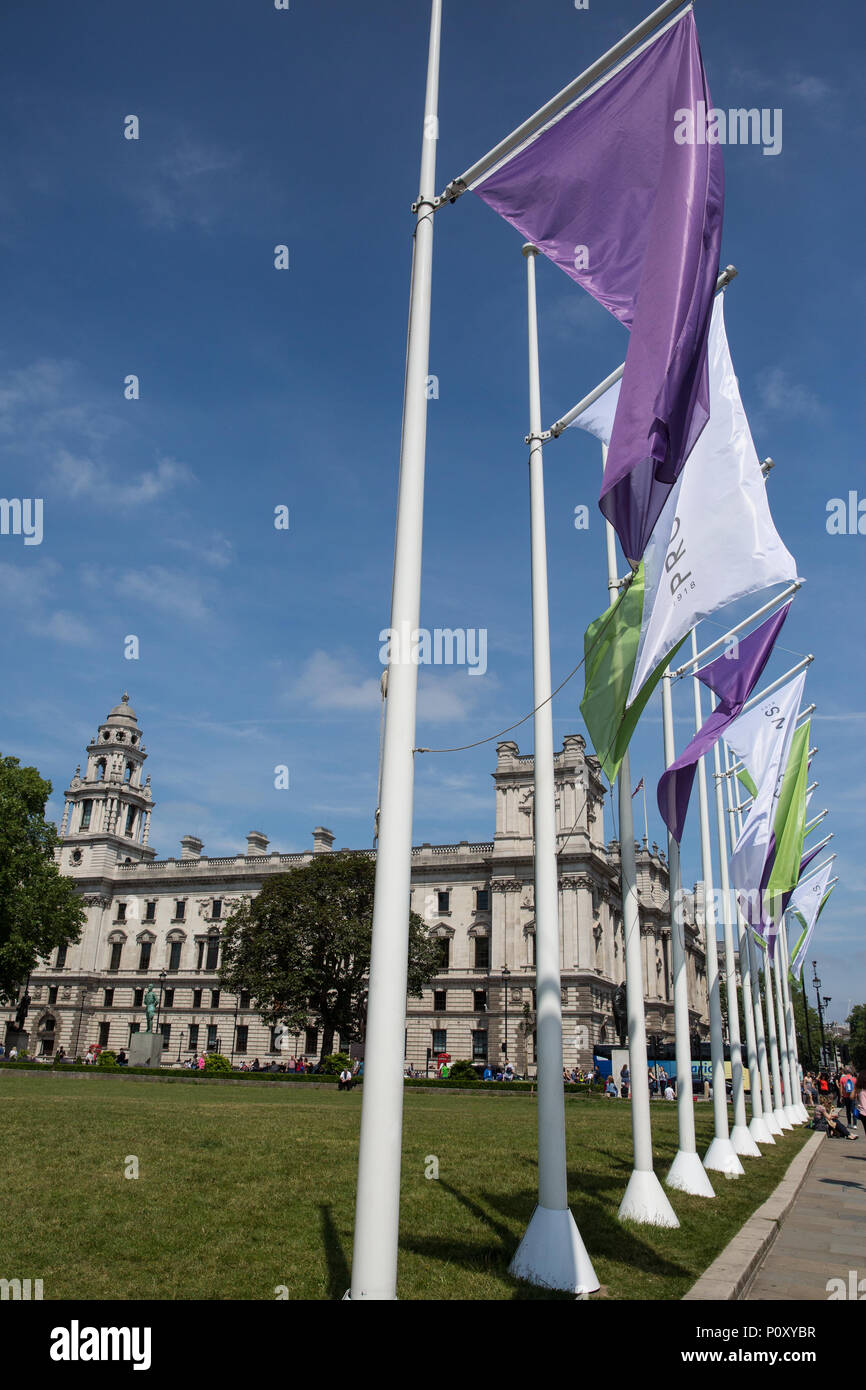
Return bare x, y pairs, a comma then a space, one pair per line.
157, 922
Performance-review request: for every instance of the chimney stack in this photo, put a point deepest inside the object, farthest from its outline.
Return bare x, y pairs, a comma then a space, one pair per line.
257, 843
191, 847
323, 840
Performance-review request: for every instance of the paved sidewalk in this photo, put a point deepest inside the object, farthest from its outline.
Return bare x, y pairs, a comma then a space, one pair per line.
823, 1236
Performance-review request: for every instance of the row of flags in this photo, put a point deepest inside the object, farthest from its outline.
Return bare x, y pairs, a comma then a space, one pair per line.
683, 486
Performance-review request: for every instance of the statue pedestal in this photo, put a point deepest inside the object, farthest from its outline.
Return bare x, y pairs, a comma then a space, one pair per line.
145, 1050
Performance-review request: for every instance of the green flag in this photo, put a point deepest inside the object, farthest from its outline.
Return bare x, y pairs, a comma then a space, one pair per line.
610, 647
789, 825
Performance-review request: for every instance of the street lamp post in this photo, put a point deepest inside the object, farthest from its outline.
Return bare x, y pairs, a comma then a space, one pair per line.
806, 1013
817, 983
179, 1041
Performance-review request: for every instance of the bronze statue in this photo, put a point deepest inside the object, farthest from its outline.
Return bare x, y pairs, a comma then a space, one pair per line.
149, 1008
21, 1014
620, 1012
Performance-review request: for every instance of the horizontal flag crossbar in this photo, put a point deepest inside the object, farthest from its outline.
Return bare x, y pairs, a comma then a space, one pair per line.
775, 685
720, 641
727, 275
556, 105
810, 825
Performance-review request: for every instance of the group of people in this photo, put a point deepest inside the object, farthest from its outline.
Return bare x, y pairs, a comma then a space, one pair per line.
828, 1094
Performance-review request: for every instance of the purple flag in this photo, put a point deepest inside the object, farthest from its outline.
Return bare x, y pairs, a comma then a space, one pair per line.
733, 677
610, 195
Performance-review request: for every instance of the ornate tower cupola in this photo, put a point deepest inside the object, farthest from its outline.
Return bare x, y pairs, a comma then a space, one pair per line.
107, 815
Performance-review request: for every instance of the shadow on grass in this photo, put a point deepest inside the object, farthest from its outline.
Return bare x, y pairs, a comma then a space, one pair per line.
603, 1233
339, 1277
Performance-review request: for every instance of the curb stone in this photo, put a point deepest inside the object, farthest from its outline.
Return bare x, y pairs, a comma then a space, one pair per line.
730, 1274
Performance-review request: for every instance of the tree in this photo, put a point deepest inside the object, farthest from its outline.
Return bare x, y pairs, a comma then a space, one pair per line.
857, 1045
39, 908
302, 948
800, 1003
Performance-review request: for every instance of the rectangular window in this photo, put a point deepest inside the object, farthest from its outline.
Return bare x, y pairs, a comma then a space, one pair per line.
212, 1038
479, 1047
274, 1045
193, 1037
242, 1037
213, 953
116, 953
532, 948
144, 955
444, 901
217, 910
214, 998
165, 1029
168, 999
61, 957
103, 1034
121, 912
482, 953
199, 954
479, 1001
244, 1001
196, 998
137, 998
86, 809
52, 994
311, 1041
179, 911
482, 899
150, 912
439, 998
440, 1041
174, 950
134, 1028
444, 950
108, 998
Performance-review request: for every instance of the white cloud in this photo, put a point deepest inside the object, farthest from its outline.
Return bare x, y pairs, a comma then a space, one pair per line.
334, 682
85, 478
778, 392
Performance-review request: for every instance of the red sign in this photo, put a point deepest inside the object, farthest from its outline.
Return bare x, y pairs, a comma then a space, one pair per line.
443, 1057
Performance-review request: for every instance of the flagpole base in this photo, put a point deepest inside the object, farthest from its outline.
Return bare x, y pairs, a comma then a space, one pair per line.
782, 1119
645, 1201
759, 1130
772, 1123
803, 1113
793, 1116
721, 1157
553, 1255
688, 1174
743, 1143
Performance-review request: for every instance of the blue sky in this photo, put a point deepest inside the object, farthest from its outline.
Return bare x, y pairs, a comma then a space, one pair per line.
259, 388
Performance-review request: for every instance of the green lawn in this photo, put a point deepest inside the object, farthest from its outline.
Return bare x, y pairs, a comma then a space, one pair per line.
245, 1189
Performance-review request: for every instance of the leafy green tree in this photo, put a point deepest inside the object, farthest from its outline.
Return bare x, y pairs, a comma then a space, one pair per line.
802, 1007
39, 908
857, 1045
302, 948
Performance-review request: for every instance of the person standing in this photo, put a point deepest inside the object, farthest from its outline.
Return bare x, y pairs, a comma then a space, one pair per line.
860, 1093
846, 1091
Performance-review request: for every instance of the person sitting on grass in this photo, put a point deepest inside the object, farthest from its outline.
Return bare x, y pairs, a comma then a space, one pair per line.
610, 1089
345, 1081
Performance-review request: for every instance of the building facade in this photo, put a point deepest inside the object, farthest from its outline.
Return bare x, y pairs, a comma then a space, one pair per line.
158, 921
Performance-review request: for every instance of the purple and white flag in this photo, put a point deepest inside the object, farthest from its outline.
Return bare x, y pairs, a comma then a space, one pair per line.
607, 193
732, 676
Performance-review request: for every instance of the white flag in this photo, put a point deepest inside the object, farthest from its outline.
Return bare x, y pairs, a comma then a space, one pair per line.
761, 739
806, 901
715, 541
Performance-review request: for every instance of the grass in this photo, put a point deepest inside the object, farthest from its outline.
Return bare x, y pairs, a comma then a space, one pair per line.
242, 1191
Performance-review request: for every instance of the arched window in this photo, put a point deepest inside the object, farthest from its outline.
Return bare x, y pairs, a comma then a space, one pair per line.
127, 772
100, 770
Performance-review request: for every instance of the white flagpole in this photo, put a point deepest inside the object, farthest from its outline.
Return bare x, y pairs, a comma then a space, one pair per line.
757, 1125
792, 1031
775, 1071
644, 1200
741, 1139
721, 1155
377, 1209
686, 1173
790, 1104
551, 1252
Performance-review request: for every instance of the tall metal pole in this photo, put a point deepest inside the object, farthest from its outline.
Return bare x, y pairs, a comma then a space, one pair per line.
743, 1142
721, 1155
806, 1013
551, 1252
757, 1125
792, 1091
687, 1173
817, 984
775, 1069
644, 1200
377, 1208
